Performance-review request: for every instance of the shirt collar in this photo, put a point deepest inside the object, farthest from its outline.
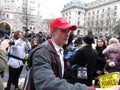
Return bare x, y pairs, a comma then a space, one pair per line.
57, 48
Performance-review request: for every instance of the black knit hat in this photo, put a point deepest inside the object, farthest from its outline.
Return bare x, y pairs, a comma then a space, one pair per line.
88, 39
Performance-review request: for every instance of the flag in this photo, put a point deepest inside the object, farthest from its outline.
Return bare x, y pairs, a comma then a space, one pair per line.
2, 11
40, 27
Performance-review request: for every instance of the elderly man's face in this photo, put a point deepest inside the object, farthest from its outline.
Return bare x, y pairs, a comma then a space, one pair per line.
61, 36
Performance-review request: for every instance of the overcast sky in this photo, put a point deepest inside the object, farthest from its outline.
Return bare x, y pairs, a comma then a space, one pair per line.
52, 8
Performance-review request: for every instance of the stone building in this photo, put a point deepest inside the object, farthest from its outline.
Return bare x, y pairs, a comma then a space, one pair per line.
98, 17
19, 15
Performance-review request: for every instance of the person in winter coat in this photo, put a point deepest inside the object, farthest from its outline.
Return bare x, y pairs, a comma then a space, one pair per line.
111, 51
17, 50
34, 42
41, 37
85, 57
48, 64
101, 45
101, 61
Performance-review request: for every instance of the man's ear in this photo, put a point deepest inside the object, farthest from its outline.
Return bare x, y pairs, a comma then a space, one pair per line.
53, 32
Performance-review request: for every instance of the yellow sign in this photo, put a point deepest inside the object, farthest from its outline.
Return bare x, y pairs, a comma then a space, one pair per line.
109, 80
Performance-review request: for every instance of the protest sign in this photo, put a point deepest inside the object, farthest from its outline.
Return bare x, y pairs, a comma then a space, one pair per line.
109, 80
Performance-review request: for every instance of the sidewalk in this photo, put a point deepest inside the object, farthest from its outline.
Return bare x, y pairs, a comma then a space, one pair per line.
20, 84
21, 79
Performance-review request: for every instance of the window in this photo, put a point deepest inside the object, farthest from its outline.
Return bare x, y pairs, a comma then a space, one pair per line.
97, 24
115, 13
78, 23
101, 23
107, 22
108, 14
92, 23
97, 16
89, 14
69, 13
115, 7
96, 29
109, 9
66, 14
69, 17
102, 10
97, 11
85, 14
102, 15
7, 15
88, 23
114, 21
106, 29
79, 12
24, 28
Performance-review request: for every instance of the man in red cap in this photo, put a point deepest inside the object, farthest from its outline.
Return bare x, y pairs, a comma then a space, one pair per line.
48, 64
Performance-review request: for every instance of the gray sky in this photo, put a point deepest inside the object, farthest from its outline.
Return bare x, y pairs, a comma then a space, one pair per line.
52, 8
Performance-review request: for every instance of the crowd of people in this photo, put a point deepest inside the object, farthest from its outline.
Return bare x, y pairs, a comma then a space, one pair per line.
62, 61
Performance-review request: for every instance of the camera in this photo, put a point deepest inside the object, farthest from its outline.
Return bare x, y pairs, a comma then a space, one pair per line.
11, 42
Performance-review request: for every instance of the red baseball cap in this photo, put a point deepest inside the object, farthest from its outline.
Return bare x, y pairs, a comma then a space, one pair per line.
62, 24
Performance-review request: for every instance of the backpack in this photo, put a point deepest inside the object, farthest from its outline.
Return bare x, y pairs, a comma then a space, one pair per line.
28, 84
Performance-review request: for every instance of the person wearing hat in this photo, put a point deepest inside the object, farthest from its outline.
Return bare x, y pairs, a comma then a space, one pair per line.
41, 37
118, 36
85, 57
48, 64
110, 52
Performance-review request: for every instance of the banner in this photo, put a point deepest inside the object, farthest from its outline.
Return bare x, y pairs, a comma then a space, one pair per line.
109, 80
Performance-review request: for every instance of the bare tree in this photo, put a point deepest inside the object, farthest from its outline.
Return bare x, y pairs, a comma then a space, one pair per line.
26, 16
45, 24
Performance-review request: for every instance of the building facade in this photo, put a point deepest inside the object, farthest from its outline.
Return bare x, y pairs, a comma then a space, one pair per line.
98, 17
19, 15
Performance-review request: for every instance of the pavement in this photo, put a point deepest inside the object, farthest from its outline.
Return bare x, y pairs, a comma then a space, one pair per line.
21, 79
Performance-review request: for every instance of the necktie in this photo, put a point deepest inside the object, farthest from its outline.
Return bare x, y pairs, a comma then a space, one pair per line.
60, 51
61, 60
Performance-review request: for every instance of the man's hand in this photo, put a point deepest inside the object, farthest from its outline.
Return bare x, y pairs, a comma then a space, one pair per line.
109, 60
116, 87
111, 64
